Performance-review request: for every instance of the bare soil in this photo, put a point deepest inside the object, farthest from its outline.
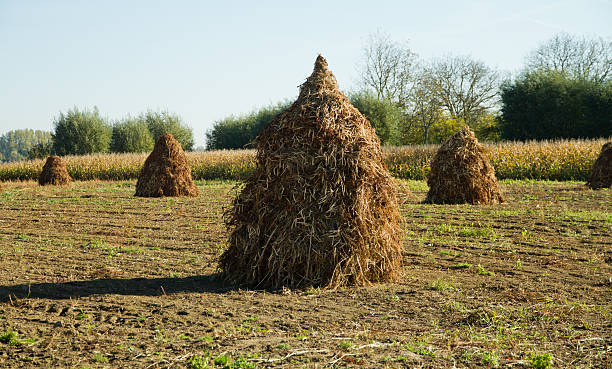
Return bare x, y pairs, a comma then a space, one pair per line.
91, 276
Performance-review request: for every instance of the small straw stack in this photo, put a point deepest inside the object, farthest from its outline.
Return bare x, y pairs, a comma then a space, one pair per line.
460, 173
54, 172
166, 171
601, 173
321, 208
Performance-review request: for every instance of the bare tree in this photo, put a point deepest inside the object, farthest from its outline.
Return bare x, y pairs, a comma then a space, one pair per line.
466, 88
425, 104
387, 68
586, 58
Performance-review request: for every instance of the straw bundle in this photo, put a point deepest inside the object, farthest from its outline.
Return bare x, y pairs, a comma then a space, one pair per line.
460, 173
320, 208
54, 172
601, 173
166, 171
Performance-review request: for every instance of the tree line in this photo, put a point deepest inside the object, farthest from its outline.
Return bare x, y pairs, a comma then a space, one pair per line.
563, 91
85, 131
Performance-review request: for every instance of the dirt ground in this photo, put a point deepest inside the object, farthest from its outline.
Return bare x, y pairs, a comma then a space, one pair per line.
92, 277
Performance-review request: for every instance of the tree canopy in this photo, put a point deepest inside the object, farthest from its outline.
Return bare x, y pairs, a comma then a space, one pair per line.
15, 145
550, 104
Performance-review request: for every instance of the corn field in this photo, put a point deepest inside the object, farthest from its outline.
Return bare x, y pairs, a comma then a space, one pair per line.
545, 160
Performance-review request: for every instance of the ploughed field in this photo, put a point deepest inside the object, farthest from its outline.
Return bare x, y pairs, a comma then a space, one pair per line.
91, 276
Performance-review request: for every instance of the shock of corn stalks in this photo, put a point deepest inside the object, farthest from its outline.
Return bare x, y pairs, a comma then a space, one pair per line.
461, 173
320, 208
54, 172
601, 173
166, 171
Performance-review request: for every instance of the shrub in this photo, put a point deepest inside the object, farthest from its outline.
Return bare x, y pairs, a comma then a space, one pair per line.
238, 132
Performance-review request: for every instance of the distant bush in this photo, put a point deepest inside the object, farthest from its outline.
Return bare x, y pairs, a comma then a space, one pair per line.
131, 135
81, 132
238, 132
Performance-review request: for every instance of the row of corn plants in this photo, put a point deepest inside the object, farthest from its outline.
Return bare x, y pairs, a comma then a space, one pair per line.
545, 160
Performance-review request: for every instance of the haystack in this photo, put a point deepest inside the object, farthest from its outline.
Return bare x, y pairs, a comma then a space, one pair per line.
320, 208
460, 173
601, 173
54, 172
166, 171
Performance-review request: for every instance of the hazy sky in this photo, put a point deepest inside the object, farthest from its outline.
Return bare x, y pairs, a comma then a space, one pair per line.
206, 60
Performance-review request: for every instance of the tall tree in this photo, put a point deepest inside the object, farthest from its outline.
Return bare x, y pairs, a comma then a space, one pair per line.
80, 132
387, 68
466, 88
160, 123
15, 145
425, 104
578, 57
131, 135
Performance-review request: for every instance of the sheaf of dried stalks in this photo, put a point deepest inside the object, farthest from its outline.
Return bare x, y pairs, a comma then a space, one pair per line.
460, 173
54, 172
601, 172
320, 208
166, 171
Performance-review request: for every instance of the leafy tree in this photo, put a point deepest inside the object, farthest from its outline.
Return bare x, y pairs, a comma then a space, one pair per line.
239, 132
14, 145
131, 135
81, 132
160, 123
384, 115
549, 104
576, 57
41, 150
436, 131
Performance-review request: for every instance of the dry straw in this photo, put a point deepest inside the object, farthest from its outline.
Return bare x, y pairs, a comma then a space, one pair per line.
54, 172
166, 171
320, 208
460, 173
601, 172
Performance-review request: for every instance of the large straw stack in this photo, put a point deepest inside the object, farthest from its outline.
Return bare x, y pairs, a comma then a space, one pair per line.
54, 172
460, 173
166, 171
601, 173
320, 208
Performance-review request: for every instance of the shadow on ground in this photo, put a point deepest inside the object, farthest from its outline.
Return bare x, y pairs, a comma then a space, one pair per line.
133, 286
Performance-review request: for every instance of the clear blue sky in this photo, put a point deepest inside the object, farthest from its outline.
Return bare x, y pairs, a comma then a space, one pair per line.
206, 60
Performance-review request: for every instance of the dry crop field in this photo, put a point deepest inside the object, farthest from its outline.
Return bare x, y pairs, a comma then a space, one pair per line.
92, 277
546, 160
